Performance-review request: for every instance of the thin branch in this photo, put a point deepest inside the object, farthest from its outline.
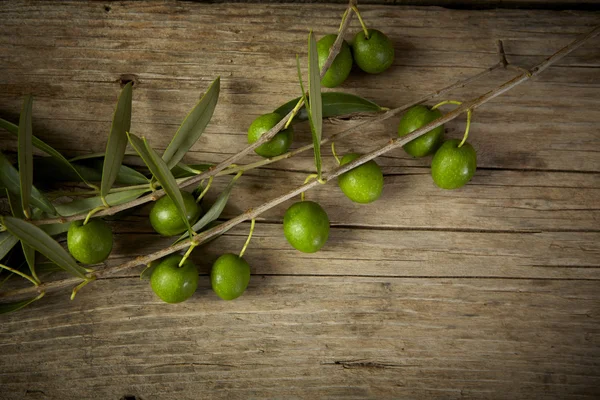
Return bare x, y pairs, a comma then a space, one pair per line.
253, 213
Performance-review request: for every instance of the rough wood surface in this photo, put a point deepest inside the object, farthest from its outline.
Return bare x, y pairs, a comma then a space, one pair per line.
490, 291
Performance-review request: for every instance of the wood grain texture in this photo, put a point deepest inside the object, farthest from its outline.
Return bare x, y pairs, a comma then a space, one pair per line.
301, 337
486, 292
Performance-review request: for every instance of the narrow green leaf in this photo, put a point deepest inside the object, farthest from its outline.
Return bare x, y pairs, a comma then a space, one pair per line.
182, 170
161, 172
192, 126
117, 140
55, 229
29, 253
51, 170
7, 242
6, 308
25, 155
315, 116
46, 148
82, 205
43, 243
126, 175
147, 272
9, 177
46, 267
17, 212
98, 155
335, 104
214, 211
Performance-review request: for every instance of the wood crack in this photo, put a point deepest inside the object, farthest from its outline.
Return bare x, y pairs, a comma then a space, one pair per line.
352, 364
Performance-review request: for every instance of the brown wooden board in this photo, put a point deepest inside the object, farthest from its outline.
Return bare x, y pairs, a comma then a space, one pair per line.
490, 291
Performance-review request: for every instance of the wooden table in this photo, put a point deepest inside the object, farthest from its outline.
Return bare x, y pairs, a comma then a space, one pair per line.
490, 291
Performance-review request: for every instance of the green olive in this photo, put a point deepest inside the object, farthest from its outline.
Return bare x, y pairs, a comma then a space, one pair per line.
172, 283
306, 226
279, 144
165, 218
415, 118
375, 54
90, 243
363, 184
230, 276
341, 66
452, 166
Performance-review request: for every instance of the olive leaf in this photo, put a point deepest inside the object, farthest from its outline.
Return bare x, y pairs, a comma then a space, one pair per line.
98, 155
7, 242
193, 125
6, 308
46, 148
113, 199
162, 173
117, 140
315, 115
126, 175
17, 212
182, 170
43, 243
47, 267
147, 272
55, 229
25, 155
47, 169
214, 211
335, 104
9, 177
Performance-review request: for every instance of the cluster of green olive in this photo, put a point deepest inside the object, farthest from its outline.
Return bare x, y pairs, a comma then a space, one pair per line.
91, 243
454, 161
175, 279
373, 54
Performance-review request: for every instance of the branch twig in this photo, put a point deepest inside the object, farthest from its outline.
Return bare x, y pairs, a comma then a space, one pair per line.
253, 213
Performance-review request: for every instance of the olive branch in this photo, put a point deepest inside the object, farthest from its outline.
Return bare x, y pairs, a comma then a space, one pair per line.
228, 166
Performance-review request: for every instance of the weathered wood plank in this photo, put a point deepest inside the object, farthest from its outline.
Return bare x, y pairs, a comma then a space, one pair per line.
396, 253
494, 200
486, 292
303, 337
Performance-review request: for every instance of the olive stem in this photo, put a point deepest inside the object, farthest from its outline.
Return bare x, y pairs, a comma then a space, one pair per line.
187, 253
308, 178
21, 274
334, 154
455, 102
80, 286
297, 108
104, 202
466, 135
205, 190
252, 223
362, 23
92, 212
344, 16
